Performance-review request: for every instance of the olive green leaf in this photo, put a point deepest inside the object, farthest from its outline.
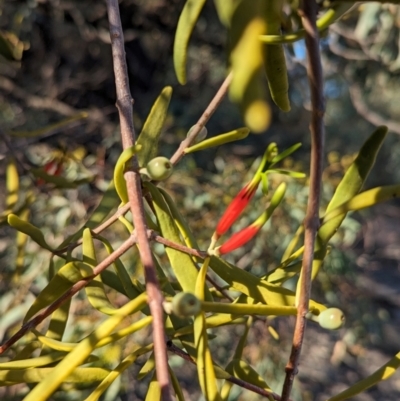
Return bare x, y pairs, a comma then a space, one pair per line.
29, 229
154, 390
175, 384
181, 263
381, 374
148, 367
335, 12
218, 140
246, 25
117, 371
274, 58
39, 375
152, 127
258, 289
186, 23
12, 184
119, 170
64, 279
95, 289
78, 355
67, 347
205, 367
131, 289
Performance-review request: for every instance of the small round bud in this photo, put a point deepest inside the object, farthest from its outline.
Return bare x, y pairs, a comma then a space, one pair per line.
331, 319
200, 136
185, 304
159, 168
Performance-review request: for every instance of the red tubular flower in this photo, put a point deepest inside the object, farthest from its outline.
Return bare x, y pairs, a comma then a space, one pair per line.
239, 239
236, 207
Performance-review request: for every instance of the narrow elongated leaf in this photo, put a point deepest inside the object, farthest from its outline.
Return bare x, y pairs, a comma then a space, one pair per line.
119, 170
95, 289
329, 17
256, 288
274, 57
38, 375
78, 355
67, 347
65, 278
218, 140
152, 127
12, 184
154, 390
29, 229
116, 372
381, 374
186, 23
205, 367
181, 263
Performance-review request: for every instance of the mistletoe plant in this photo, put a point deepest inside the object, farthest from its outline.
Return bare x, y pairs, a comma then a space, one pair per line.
180, 309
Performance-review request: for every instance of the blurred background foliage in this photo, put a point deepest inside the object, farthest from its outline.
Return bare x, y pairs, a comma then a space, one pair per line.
60, 66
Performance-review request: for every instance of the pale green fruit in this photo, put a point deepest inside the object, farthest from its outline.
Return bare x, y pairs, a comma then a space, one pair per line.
159, 168
331, 319
185, 304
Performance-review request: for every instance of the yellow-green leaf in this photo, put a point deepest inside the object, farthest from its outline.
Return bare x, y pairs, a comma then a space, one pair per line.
381, 374
78, 355
218, 140
152, 127
29, 229
186, 23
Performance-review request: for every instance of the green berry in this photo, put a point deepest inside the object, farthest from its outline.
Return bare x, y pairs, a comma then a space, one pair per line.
331, 319
159, 168
185, 304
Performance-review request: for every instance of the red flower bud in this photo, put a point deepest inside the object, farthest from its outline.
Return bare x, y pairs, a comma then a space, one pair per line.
236, 207
239, 239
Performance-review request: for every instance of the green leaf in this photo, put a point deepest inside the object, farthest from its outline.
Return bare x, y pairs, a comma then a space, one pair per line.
148, 367
181, 263
78, 355
119, 170
329, 17
12, 184
130, 289
274, 57
95, 289
152, 127
11, 47
254, 287
116, 372
218, 140
186, 23
29, 229
65, 278
205, 367
154, 390
39, 375
175, 384
381, 374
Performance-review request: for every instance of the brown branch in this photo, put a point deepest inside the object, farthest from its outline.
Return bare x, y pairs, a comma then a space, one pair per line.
133, 183
208, 112
311, 222
242, 383
79, 285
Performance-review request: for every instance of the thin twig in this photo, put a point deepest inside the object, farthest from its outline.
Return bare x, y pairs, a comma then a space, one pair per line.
242, 383
311, 222
208, 112
79, 285
133, 183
